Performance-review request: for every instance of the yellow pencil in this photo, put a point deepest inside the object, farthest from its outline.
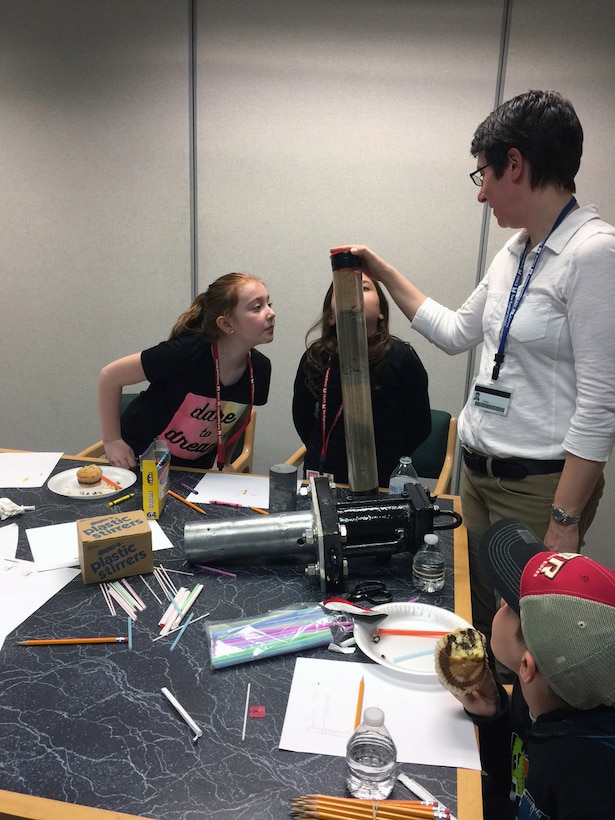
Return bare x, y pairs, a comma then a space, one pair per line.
258, 510
322, 807
359, 712
186, 502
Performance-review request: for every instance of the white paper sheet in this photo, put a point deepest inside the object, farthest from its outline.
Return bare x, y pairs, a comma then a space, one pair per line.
23, 590
9, 535
232, 488
57, 545
26, 469
427, 723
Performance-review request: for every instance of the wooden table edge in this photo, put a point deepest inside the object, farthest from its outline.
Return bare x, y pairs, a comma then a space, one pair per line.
14, 806
469, 792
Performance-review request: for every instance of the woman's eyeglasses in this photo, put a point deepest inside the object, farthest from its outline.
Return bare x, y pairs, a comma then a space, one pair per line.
477, 176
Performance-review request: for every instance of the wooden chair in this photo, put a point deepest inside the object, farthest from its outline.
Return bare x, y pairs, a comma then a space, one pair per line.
97, 450
297, 457
243, 456
433, 459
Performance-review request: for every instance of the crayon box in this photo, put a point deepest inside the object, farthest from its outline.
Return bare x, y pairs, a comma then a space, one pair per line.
155, 464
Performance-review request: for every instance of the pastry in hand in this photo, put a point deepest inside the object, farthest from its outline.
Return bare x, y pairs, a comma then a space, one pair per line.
89, 476
461, 660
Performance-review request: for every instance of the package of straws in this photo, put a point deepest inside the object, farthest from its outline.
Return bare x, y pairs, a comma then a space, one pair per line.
278, 632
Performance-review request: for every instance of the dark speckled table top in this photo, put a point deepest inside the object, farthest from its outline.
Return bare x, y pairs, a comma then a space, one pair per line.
88, 724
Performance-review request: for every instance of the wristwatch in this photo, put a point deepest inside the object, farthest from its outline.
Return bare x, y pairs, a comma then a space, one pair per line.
557, 514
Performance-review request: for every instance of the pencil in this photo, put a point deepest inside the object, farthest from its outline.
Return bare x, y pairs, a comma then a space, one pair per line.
359, 710
50, 641
112, 483
422, 793
188, 503
322, 807
258, 510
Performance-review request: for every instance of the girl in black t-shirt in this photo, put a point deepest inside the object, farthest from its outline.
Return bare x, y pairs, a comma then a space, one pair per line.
203, 381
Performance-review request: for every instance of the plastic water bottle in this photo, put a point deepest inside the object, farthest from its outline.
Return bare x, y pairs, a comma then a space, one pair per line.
371, 758
428, 566
403, 474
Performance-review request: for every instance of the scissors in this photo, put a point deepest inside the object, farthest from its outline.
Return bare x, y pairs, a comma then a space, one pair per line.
375, 592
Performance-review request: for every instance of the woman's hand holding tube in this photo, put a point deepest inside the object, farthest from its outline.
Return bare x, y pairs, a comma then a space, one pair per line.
406, 296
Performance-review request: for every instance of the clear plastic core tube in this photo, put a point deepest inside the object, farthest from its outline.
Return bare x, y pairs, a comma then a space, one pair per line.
354, 373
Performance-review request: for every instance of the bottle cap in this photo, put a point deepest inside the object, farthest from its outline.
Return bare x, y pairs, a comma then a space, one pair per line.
373, 716
430, 538
344, 259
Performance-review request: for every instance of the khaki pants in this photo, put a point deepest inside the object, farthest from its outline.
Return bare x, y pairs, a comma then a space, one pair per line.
486, 500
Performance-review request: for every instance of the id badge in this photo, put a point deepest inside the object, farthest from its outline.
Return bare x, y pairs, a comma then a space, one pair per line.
314, 474
491, 399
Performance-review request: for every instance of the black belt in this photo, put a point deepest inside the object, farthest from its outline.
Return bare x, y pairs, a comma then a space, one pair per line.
513, 468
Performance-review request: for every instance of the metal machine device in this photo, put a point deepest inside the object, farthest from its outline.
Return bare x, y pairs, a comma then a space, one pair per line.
367, 523
335, 531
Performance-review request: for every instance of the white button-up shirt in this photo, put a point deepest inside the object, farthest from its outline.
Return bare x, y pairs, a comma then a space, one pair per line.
560, 354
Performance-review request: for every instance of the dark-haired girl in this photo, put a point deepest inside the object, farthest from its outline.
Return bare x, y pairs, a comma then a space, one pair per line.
400, 401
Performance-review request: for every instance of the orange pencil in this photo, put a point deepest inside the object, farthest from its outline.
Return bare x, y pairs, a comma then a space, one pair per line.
258, 510
185, 501
50, 641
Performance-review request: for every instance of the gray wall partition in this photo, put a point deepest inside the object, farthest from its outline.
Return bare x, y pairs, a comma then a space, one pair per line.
95, 215
324, 123
149, 146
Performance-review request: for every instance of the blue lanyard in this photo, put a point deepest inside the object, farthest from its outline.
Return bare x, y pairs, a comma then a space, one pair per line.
513, 300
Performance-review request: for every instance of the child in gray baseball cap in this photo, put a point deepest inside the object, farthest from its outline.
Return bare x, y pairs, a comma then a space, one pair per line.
548, 751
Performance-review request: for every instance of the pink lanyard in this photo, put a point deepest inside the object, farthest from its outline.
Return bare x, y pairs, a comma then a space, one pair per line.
323, 417
237, 433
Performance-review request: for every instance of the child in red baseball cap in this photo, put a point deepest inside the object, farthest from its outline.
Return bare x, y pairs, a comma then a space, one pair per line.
556, 733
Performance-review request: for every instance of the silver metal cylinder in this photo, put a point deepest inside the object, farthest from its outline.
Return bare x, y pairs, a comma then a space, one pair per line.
280, 534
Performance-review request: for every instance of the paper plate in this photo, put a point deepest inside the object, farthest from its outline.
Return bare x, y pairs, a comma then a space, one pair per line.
392, 650
66, 483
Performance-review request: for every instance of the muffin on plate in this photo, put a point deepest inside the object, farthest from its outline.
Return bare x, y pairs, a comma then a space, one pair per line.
90, 475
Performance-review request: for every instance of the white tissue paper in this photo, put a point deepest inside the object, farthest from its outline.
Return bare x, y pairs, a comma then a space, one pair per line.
8, 508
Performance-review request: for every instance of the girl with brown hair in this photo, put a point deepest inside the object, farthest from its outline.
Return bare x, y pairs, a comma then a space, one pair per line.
203, 381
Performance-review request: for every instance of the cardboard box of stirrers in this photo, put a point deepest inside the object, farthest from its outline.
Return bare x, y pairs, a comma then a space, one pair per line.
114, 546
